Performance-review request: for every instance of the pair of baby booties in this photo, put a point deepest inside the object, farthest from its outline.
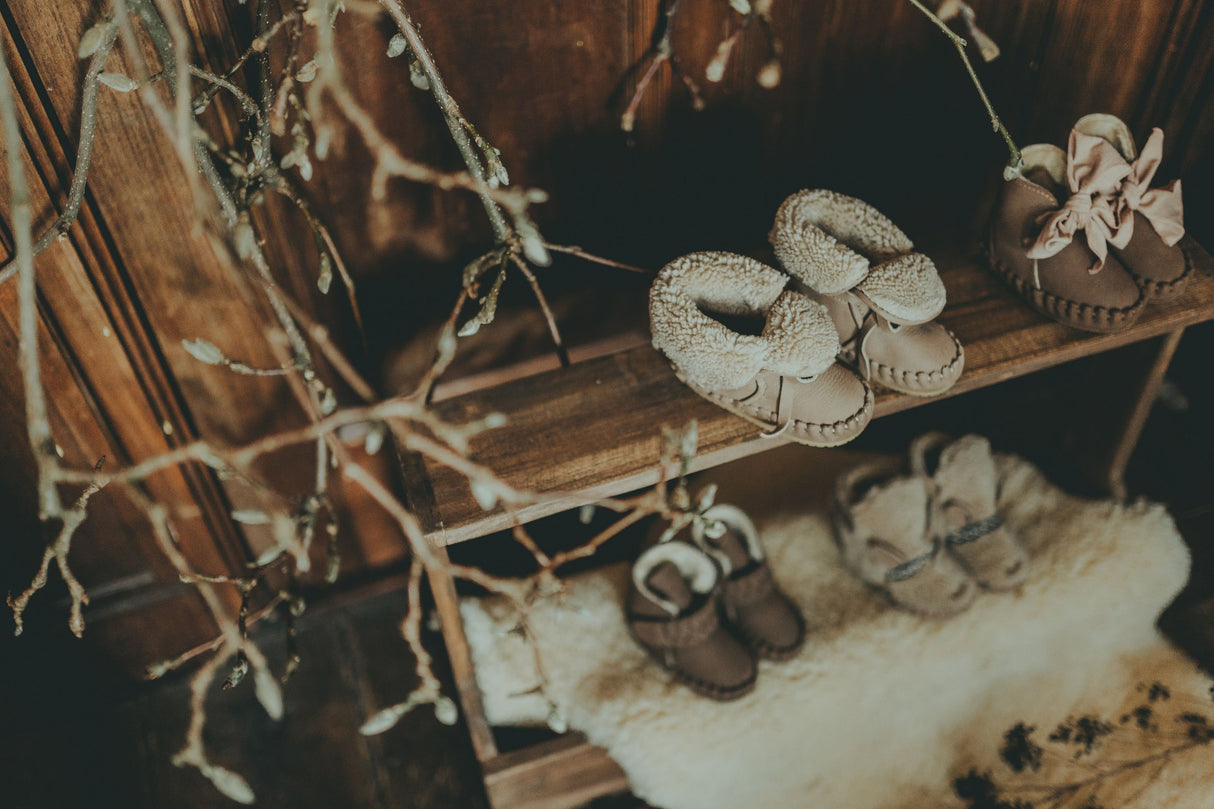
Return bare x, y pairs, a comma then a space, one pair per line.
856, 306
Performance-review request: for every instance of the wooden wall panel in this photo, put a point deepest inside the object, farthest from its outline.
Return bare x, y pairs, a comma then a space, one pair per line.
133, 279
1099, 62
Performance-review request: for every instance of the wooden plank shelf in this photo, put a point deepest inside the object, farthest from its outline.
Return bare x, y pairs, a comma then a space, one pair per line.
593, 430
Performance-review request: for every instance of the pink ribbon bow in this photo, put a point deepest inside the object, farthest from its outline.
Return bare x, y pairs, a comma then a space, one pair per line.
1162, 207
1094, 171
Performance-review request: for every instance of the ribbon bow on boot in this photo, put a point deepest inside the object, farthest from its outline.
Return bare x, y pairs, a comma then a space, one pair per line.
1094, 172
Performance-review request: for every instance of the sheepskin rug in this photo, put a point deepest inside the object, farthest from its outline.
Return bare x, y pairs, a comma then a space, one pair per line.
881, 709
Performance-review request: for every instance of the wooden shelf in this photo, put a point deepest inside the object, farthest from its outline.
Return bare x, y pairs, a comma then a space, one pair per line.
594, 429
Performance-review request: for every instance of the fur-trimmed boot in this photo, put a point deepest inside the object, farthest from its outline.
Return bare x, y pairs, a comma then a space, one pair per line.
739, 339
674, 613
881, 295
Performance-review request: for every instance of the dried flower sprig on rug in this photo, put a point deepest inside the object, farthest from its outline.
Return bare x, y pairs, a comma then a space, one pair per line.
1093, 761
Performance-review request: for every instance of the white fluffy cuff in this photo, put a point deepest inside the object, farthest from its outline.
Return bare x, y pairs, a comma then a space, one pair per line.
798, 338
827, 240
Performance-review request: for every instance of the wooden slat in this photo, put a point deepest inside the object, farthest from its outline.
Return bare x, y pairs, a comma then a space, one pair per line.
562, 773
1137, 419
446, 602
593, 430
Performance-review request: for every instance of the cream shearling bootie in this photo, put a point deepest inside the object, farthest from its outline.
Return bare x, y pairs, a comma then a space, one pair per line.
965, 503
739, 339
880, 294
883, 523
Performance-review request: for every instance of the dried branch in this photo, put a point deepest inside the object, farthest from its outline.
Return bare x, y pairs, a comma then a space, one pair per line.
389, 160
561, 353
104, 35
236, 179
37, 423
457, 124
429, 689
757, 12
660, 52
1014, 159
58, 551
329, 254
573, 250
258, 45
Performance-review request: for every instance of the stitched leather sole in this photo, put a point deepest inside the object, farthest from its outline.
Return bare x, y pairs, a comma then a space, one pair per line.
704, 689
1166, 291
1083, 316
776, 654
919, 383
714, 691
814, 435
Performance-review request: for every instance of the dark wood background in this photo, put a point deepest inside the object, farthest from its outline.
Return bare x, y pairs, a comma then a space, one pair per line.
873, 102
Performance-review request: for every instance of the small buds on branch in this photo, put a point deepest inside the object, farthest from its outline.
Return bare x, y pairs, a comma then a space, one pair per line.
661, 51
209, 353
1012, 170
771, 72
238, 173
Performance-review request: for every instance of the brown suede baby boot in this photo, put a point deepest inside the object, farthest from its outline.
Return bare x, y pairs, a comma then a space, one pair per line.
1150, 221
1049, 240
739, 339
673, 612
965, 496
755, 608
883, 525
881, 295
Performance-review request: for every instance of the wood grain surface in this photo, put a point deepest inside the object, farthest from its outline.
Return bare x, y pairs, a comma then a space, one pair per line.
594, 429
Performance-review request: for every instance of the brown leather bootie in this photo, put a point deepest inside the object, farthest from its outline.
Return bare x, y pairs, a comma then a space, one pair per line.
755, 607
1049, 240
674, 613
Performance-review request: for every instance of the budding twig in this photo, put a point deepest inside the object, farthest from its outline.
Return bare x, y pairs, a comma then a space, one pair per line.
84, 148
1014, 160
58, 550
37, 423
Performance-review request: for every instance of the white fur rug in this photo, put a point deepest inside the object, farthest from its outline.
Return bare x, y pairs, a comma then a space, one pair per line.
882, 708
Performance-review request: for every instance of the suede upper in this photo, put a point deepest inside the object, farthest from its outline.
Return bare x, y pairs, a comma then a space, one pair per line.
758, 612
1062, 286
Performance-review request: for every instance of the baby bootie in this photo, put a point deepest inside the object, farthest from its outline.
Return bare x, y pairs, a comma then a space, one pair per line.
1150, 221
965, 500
1035, 246
755, 608
673, 612
883, 526
739, 339
880, 294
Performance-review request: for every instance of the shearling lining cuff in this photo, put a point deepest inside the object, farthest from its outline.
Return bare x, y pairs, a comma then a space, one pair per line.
797, 339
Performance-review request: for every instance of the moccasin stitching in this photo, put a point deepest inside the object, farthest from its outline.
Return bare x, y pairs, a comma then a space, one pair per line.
1064, 308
